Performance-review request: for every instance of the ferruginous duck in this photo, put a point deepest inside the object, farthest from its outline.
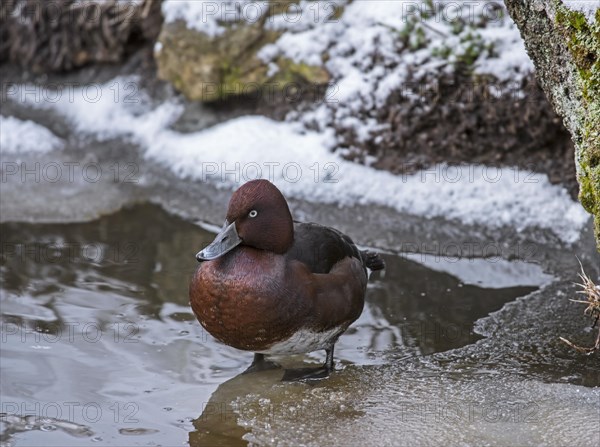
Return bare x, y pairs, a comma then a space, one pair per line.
273, 286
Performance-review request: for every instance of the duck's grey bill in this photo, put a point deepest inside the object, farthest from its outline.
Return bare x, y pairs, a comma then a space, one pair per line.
225, 241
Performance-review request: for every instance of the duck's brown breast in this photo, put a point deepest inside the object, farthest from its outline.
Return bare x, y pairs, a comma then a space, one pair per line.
249, 300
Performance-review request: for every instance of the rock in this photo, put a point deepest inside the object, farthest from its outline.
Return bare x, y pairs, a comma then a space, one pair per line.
565, 47
208, 67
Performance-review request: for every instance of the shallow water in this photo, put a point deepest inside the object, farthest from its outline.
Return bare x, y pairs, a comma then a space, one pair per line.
99, 345
458, 343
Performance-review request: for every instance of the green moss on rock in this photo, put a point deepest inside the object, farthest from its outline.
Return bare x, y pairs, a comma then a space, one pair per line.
583, 41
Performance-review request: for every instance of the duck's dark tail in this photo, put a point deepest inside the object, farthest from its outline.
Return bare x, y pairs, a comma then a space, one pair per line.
372, 260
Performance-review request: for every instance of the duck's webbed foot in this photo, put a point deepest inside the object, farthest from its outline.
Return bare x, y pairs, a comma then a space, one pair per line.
294, 375
260, 363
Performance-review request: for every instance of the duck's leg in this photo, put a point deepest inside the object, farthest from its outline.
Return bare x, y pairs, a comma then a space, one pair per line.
321, 372
329, 360
260, 363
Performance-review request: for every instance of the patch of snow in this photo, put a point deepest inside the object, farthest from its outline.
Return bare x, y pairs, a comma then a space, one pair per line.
511, 63
377, 47
26, 136
587, 7
208, 16
105, 111
301, 164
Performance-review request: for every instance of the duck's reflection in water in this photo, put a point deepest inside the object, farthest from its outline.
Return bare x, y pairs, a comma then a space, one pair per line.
218, 423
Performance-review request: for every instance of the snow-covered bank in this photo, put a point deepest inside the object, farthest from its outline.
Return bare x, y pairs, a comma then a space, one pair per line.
420, 81
301, 163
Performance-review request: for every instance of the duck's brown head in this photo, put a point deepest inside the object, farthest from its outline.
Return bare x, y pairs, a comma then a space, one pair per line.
259, 217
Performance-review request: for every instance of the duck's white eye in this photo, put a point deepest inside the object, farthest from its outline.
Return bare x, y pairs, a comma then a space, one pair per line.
253, 213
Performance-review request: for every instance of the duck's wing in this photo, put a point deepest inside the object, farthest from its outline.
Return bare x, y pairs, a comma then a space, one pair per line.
320, 248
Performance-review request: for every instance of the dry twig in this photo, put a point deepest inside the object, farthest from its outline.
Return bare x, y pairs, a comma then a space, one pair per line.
592, 291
